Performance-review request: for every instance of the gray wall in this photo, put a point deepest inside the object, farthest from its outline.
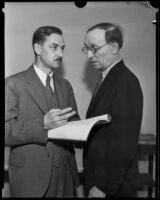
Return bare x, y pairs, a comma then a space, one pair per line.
22, 19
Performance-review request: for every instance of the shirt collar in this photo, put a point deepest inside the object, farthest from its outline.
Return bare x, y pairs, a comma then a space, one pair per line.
105, 72
41, 74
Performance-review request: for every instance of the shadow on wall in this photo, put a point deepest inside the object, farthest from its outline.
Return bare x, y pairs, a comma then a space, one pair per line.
90, 76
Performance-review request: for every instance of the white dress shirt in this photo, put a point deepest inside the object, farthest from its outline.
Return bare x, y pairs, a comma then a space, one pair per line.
43, 76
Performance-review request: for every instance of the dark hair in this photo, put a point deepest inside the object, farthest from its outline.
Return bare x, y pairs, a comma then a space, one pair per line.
41, 33
113, 32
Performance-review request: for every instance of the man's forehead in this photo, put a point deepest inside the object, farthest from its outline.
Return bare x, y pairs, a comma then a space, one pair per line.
95, 36
55, 38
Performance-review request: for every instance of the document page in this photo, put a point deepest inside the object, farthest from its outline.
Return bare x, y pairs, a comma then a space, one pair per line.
77, 130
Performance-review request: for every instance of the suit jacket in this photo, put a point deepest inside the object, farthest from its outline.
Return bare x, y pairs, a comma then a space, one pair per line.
110, 158
30, 161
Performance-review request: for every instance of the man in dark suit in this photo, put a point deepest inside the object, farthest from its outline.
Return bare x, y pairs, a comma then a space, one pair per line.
110, 154
37, 100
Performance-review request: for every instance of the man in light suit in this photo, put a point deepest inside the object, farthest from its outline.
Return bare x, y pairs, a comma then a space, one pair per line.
37, 100
110, 154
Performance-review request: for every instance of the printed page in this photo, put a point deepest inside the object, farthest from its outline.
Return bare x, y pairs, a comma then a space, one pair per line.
77, 130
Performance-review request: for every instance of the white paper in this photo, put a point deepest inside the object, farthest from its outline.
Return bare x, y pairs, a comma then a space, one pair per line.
77, 130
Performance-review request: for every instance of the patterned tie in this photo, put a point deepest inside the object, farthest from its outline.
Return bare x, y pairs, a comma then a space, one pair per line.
98, 84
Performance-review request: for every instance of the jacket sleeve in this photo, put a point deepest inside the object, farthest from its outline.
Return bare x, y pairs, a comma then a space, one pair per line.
121, 136
17, 131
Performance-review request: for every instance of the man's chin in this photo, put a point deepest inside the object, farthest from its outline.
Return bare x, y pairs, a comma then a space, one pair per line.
55, 66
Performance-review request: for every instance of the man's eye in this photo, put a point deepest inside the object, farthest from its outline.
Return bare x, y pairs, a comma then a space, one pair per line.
54, 47
93, 50
87, 48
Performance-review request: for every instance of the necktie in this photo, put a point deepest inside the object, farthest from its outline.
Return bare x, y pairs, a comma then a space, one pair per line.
48, 86
99, 82
53, 104
51, 96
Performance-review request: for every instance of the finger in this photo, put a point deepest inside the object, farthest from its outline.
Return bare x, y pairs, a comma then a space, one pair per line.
60, 112
67, 116
66, 110
62, 122
55, 110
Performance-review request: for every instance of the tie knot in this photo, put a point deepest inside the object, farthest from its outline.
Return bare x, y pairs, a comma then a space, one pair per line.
48, 80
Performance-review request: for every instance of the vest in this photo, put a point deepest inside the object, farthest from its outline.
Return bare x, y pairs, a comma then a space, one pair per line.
56, 147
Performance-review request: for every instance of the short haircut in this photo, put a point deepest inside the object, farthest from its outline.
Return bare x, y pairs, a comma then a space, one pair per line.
41, 33
113, 32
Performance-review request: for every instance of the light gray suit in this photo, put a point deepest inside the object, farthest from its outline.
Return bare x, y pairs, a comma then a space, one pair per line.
32, 157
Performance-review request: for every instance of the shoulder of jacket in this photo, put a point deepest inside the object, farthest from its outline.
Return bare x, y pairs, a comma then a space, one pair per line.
17, 75
16, 79
128, 76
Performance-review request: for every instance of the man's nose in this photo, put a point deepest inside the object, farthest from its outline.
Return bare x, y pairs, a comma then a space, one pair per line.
90, 54
60, 52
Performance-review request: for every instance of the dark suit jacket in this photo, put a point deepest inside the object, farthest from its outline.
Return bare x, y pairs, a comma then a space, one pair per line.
30, 161
110, 160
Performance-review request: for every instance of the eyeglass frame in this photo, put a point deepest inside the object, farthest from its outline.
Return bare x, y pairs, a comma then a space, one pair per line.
92, 49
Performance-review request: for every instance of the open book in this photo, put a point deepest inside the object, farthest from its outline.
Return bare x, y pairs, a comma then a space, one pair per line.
78, 130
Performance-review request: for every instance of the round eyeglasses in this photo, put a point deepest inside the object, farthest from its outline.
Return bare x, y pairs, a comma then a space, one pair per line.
93, 50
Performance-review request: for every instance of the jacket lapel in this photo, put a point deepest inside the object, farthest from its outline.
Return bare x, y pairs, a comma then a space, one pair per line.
109, 80
36, 90
59, 91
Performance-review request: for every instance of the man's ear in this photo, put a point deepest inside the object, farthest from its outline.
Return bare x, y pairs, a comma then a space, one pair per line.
115, 47
37, 48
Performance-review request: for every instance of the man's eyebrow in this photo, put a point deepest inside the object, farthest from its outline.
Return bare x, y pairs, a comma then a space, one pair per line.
55, 43
58, 44
94, 45
85, 45
91, 45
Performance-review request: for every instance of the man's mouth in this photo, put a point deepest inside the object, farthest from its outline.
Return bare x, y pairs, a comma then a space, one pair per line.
93, 61
58, 60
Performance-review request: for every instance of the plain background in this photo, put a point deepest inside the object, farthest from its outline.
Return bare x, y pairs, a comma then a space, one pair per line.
139, 50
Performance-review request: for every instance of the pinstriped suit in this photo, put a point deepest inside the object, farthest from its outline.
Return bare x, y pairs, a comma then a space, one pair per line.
33, 158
